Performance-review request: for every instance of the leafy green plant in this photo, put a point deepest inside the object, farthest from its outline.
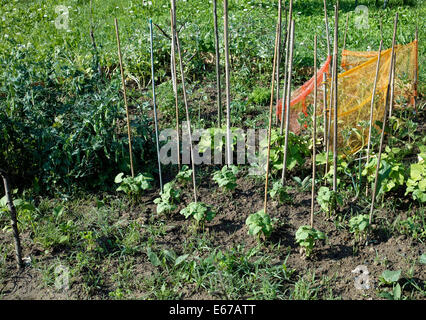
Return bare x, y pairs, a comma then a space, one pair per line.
358, 226
168, 198
260, 96
184, 175
389, 277
280, 192
133, 187
226, 178
391, 171
259, 224
328, 200
200, 211
416, 183
306, 237
298, 150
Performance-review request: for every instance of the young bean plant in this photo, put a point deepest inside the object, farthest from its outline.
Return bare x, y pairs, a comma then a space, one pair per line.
168, 198
306, 237
200, 211
259, 225
226, 178
358, 226
133, 187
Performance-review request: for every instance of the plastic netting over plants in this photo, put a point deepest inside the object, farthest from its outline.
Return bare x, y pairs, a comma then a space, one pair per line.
355, 89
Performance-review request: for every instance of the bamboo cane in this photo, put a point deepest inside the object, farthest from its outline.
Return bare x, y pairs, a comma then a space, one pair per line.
372, 107
174, 76
392, 90
125, 96
13, 220
346, 31
314, 132
373, 196
265, 207
326, 29
335, 94
278, 53
324, 82
219, 93
416, 76
290, 67
188, 122
287, 51
155, 105
227, 79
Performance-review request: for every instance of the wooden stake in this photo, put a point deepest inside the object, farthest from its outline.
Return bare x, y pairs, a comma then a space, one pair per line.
265, 206
287, 51
324, 82
335, 94
174, 76
228, 91
346, 31
326, 29
188, 122
287, 127
278, 53
372, 107
125, 96
13, 220
155, 105
392, 86
219, 93
329, 119
314, 131
416, 76
373, 196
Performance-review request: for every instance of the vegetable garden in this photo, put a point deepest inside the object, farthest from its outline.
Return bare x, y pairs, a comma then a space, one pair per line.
317, 107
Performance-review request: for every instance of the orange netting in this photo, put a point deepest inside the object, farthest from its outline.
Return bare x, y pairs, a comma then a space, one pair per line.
355, 89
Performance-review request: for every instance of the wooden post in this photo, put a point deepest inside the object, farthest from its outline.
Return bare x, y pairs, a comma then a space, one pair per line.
125, 96
324, 82
174, 76
326, 29
392, 89
155, 105
287, 127
346, 31
287, 52
278, 53
265, 206
314, 132
372, 107
228, 91
13, 220
188, 122
335, 94
219, 93
373, 196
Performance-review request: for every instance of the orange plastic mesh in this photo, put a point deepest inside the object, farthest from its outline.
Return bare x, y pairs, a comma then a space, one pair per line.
303, 96
355, 88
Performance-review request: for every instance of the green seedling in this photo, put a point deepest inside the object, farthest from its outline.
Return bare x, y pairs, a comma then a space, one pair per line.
416, 183
280, 193
387, 278
328, 200
133, 187
306, 237
358, 226
226, 178
168, 199
184, 175
259, 225
200, 211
